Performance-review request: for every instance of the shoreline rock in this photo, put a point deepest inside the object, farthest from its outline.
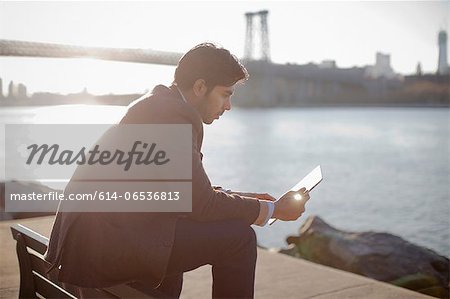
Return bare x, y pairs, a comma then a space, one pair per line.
381, 256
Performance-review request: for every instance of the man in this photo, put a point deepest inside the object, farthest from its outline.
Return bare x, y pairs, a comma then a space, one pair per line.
151, 251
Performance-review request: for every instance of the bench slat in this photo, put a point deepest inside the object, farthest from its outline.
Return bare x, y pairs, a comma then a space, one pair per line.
40, 265
48, 289
47, 285
33, 240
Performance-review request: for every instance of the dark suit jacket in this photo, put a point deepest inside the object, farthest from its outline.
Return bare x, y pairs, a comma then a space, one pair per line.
105, 249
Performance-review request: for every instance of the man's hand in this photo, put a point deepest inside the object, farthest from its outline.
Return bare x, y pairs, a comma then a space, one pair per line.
262, 196
291, 206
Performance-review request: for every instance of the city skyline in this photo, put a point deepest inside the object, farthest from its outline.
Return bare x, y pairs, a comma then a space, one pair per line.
350, 33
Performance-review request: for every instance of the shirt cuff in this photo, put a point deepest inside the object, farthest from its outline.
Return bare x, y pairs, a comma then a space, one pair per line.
265, 212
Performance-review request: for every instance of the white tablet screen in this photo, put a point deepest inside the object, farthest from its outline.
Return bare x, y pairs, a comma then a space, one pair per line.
309, 181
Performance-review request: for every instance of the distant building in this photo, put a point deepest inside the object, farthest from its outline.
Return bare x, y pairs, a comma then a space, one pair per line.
382, 67
1, 89
419, 69
443, 67
327, 64
11, 90
21, 92
17, 91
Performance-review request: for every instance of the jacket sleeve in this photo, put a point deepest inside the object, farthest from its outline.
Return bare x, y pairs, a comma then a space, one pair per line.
209, 204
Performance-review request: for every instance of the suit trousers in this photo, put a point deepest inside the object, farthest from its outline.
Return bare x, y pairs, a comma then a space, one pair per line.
228, 245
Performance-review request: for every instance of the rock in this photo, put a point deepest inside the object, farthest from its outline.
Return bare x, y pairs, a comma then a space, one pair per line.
292, 250
24, 187
380, 256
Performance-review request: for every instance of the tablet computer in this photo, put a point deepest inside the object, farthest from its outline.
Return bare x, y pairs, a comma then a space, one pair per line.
309, 182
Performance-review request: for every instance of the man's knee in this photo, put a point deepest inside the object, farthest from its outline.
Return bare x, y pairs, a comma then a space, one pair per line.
250, 235
244, 233
239, 250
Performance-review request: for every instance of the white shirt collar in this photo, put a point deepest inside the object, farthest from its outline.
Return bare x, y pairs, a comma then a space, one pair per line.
182, 96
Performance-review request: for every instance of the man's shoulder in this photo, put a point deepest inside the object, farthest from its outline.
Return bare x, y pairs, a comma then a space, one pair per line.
160, 96
161, 105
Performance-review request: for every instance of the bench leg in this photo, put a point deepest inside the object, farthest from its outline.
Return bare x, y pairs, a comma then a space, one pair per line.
27, 288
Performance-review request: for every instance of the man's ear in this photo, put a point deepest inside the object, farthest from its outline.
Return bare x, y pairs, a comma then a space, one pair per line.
200, 89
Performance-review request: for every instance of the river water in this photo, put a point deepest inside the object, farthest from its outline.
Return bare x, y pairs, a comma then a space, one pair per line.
385, 169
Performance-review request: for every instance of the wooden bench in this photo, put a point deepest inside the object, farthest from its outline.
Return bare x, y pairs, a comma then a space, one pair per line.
35, 282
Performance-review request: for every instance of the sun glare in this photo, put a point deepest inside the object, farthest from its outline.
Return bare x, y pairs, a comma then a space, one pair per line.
297, 196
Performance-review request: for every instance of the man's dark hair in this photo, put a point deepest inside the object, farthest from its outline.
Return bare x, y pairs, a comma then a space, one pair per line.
215, 65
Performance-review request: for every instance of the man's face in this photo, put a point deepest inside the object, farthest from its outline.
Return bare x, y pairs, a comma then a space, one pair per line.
216, 103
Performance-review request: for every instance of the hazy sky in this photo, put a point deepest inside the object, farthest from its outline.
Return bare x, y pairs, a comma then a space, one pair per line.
348, 32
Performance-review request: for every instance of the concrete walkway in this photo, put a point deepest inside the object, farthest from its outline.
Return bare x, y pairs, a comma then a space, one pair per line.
277, 275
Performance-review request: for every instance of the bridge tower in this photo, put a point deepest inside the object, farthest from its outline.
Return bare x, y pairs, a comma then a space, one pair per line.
249, 36
443, 68
262, 32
